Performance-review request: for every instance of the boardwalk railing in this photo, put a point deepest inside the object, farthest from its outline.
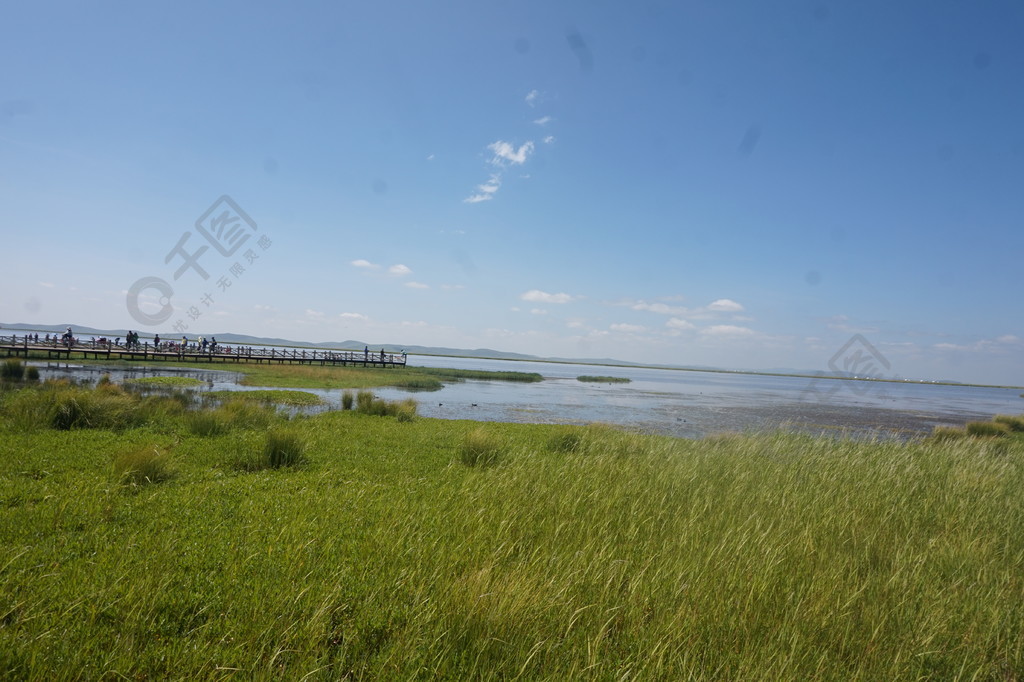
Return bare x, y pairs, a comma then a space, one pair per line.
56, 346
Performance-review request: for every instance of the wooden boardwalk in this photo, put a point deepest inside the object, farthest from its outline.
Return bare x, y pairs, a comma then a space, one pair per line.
103, 349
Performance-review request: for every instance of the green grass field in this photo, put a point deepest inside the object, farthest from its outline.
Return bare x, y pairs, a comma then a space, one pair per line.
143, 539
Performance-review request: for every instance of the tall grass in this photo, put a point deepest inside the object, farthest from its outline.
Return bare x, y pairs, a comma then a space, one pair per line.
587, 553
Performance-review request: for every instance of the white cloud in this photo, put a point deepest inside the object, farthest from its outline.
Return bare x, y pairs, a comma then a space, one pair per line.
726, 330
531, 97
627, 328
314, 314
48, 285
354, 316
538, 311
543, 120
725, 305
399, 270
506, 151
660, 308
477, 198
678, 323
417, 285
549, 139
538, 296
1008, 338
361, 263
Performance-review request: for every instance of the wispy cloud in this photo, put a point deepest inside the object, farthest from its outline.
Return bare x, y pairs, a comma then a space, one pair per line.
549, 139
354, 316
362, 263
399, 270
531, 97
660, 308
506, 152
543, 120
727, 331
538, 296
417, 285
628, 328
680, 324
716, 309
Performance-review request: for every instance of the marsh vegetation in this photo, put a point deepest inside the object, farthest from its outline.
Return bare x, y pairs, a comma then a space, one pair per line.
153, 537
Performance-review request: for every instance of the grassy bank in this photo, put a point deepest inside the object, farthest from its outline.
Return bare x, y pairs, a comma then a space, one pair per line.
379, 548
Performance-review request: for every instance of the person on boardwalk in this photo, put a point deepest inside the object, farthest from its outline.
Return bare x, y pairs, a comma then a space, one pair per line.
156, 342
382, 355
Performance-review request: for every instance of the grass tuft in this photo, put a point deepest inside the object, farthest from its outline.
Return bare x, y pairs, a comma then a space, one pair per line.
12, 370
481, 447
347, 399
1012, 422
140, 466
942, 434
987, 429
284, 448
569, 441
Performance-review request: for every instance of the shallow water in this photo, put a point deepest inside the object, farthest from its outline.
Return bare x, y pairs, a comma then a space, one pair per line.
673, 402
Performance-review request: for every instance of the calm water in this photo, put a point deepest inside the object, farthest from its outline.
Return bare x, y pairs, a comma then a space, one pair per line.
681, 403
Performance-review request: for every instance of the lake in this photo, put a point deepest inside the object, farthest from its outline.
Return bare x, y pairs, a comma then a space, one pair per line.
683, 403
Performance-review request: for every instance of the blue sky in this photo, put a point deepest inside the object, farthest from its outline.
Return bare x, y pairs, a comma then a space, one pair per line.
736, 184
